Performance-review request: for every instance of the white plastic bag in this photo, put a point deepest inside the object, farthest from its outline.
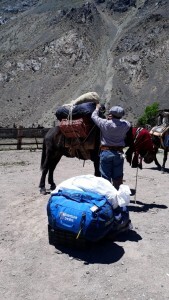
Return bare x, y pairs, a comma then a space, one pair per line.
93, 184
66, 184
98, 185
123, 195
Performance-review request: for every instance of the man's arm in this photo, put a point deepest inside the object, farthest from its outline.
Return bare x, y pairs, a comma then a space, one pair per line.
95, 117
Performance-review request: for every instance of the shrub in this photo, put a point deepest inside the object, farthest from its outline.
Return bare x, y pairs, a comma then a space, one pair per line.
149, 116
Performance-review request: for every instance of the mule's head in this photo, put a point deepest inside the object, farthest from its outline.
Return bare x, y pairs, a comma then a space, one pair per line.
142, 148
149, 157
147, 148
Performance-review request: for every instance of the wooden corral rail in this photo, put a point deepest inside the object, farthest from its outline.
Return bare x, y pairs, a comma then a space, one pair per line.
21, 137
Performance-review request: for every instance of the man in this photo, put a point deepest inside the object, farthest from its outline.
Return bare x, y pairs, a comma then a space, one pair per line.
113, 133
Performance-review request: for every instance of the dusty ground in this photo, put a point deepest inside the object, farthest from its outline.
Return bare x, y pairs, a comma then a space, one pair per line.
136, 266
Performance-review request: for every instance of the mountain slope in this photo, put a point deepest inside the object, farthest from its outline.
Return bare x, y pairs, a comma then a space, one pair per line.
53, 51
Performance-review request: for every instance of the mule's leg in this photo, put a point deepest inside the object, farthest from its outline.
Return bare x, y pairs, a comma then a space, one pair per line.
96, 163
155, 159
164, 160
42, 180
157, 163
52, 167
44, 168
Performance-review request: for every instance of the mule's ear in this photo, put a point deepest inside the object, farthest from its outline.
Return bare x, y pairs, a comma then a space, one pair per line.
102, 111
102, 108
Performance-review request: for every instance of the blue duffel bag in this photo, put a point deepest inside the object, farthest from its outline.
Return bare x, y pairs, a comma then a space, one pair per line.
85, 214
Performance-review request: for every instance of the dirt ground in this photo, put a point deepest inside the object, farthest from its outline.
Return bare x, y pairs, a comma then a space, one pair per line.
134, 266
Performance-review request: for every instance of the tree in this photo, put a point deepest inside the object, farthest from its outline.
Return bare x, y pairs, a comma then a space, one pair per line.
149, 116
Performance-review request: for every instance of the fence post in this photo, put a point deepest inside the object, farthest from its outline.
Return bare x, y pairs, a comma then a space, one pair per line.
19, 138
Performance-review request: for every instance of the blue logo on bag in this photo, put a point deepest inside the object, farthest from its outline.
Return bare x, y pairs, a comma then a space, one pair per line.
67, 217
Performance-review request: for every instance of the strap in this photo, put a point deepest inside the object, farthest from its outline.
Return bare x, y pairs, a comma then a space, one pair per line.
83, 219
139, 129
70, 113
84, 197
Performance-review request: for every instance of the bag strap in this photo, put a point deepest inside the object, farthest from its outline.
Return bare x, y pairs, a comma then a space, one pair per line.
76, 196
83, 220
139, 129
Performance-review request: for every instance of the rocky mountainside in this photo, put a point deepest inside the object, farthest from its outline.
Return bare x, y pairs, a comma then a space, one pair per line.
53, 51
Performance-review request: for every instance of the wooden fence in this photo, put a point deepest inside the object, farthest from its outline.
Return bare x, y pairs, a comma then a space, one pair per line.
22, 138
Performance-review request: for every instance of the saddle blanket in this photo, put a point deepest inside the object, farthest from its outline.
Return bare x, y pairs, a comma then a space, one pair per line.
79, 128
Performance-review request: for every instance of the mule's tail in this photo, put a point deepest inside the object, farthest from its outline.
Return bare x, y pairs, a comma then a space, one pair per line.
43, 157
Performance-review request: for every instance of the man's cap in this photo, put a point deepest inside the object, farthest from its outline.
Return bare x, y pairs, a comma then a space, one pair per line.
117, 111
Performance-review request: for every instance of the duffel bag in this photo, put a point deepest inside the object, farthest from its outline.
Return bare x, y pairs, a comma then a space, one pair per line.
85, 214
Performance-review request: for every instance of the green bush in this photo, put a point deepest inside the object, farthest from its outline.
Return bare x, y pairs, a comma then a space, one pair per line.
149, 116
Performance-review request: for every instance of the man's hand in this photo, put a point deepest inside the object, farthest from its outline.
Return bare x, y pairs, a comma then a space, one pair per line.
98, 106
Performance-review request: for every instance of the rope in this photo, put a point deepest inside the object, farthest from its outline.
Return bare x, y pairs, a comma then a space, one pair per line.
136, 186
81, 143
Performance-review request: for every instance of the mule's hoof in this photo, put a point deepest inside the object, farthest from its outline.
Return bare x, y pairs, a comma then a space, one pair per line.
162, 170
52, 187
43, 191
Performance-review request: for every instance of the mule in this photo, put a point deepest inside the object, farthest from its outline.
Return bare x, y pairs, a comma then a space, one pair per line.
54, 147
160, 137
159, 144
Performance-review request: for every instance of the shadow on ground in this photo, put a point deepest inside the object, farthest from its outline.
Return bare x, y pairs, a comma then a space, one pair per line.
103, 252
144, 207
131, 236
159, 170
